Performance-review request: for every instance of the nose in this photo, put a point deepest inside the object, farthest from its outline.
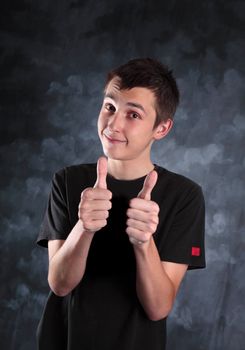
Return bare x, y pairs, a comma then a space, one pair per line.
115, 122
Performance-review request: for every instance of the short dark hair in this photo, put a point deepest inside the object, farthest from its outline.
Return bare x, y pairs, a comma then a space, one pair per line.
151, 74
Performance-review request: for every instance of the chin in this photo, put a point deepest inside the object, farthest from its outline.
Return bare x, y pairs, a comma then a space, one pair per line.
116, 156
112, 155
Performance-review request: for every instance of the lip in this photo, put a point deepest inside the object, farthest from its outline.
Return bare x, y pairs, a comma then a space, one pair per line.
112, 140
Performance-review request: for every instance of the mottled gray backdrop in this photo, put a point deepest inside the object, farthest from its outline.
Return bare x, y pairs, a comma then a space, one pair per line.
54, 56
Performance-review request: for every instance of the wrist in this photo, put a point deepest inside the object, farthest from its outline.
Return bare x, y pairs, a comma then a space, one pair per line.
135, 241
138, 245
83, 230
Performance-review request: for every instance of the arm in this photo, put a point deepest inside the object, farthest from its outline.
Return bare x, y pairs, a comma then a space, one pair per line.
157, 282
67, 259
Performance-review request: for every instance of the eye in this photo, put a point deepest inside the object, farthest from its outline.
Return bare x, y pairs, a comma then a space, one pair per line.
109, 107
135, 115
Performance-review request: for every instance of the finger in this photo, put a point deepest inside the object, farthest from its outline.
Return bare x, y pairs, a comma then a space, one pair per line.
144, 205
96, 194
95, 205
143, 215
148, 227
99, 215
101, 173
137, 234
150, 182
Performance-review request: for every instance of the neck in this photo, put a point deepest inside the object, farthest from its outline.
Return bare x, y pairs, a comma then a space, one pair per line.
129, 169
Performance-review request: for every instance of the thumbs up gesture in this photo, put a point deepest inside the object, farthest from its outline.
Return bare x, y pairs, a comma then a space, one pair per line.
95, 202
143, 213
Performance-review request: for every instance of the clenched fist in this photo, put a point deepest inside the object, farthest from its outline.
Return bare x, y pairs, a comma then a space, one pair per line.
95, 202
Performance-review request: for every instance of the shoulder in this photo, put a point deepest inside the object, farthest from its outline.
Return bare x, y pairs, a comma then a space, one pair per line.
76, 170
76, 174
175, 179
177, 185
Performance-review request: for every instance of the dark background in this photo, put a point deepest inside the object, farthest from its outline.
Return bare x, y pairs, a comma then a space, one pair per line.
54, 56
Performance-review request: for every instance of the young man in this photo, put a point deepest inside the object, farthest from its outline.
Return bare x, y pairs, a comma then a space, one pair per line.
121, 235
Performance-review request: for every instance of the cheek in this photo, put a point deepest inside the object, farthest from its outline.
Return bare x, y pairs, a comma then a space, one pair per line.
143, 130
100, 122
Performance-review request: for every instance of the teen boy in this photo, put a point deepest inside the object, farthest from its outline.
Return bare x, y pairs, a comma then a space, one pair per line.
120, 238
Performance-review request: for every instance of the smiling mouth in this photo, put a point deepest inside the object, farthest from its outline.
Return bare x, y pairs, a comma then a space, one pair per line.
112, 140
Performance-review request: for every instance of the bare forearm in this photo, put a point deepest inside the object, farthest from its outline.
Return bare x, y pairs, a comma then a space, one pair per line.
154, 288
68, 262
67, 266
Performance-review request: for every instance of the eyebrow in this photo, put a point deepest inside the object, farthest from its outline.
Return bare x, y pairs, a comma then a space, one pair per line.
132, 104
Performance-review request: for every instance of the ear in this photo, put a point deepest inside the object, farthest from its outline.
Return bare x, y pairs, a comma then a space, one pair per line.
163, 129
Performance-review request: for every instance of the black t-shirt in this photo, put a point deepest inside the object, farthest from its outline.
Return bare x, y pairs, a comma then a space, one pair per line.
103, 311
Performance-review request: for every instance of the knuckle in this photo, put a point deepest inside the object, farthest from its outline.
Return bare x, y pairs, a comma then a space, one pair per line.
153, 218
88, 224
84, 217
87, 193
81, 211
83, 205
109, 193
129, 222
132, 202
128, 231
103, 223
152, 227
145, 237
80, 214
156, 207
149, 226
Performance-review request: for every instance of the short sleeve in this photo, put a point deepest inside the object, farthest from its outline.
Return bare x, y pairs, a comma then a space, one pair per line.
56, 223
184, 242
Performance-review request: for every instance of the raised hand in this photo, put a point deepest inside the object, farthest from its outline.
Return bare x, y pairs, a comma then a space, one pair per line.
95, 202
143, 213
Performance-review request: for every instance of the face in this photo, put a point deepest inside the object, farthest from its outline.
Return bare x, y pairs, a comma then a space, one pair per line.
126, 121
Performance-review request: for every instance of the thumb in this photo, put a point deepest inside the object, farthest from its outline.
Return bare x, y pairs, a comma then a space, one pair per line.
101, 173
150, 182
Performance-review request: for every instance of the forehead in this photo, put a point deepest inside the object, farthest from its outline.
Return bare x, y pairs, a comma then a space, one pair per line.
141, 95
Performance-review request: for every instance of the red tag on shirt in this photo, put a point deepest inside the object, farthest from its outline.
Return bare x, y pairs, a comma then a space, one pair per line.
195, 251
